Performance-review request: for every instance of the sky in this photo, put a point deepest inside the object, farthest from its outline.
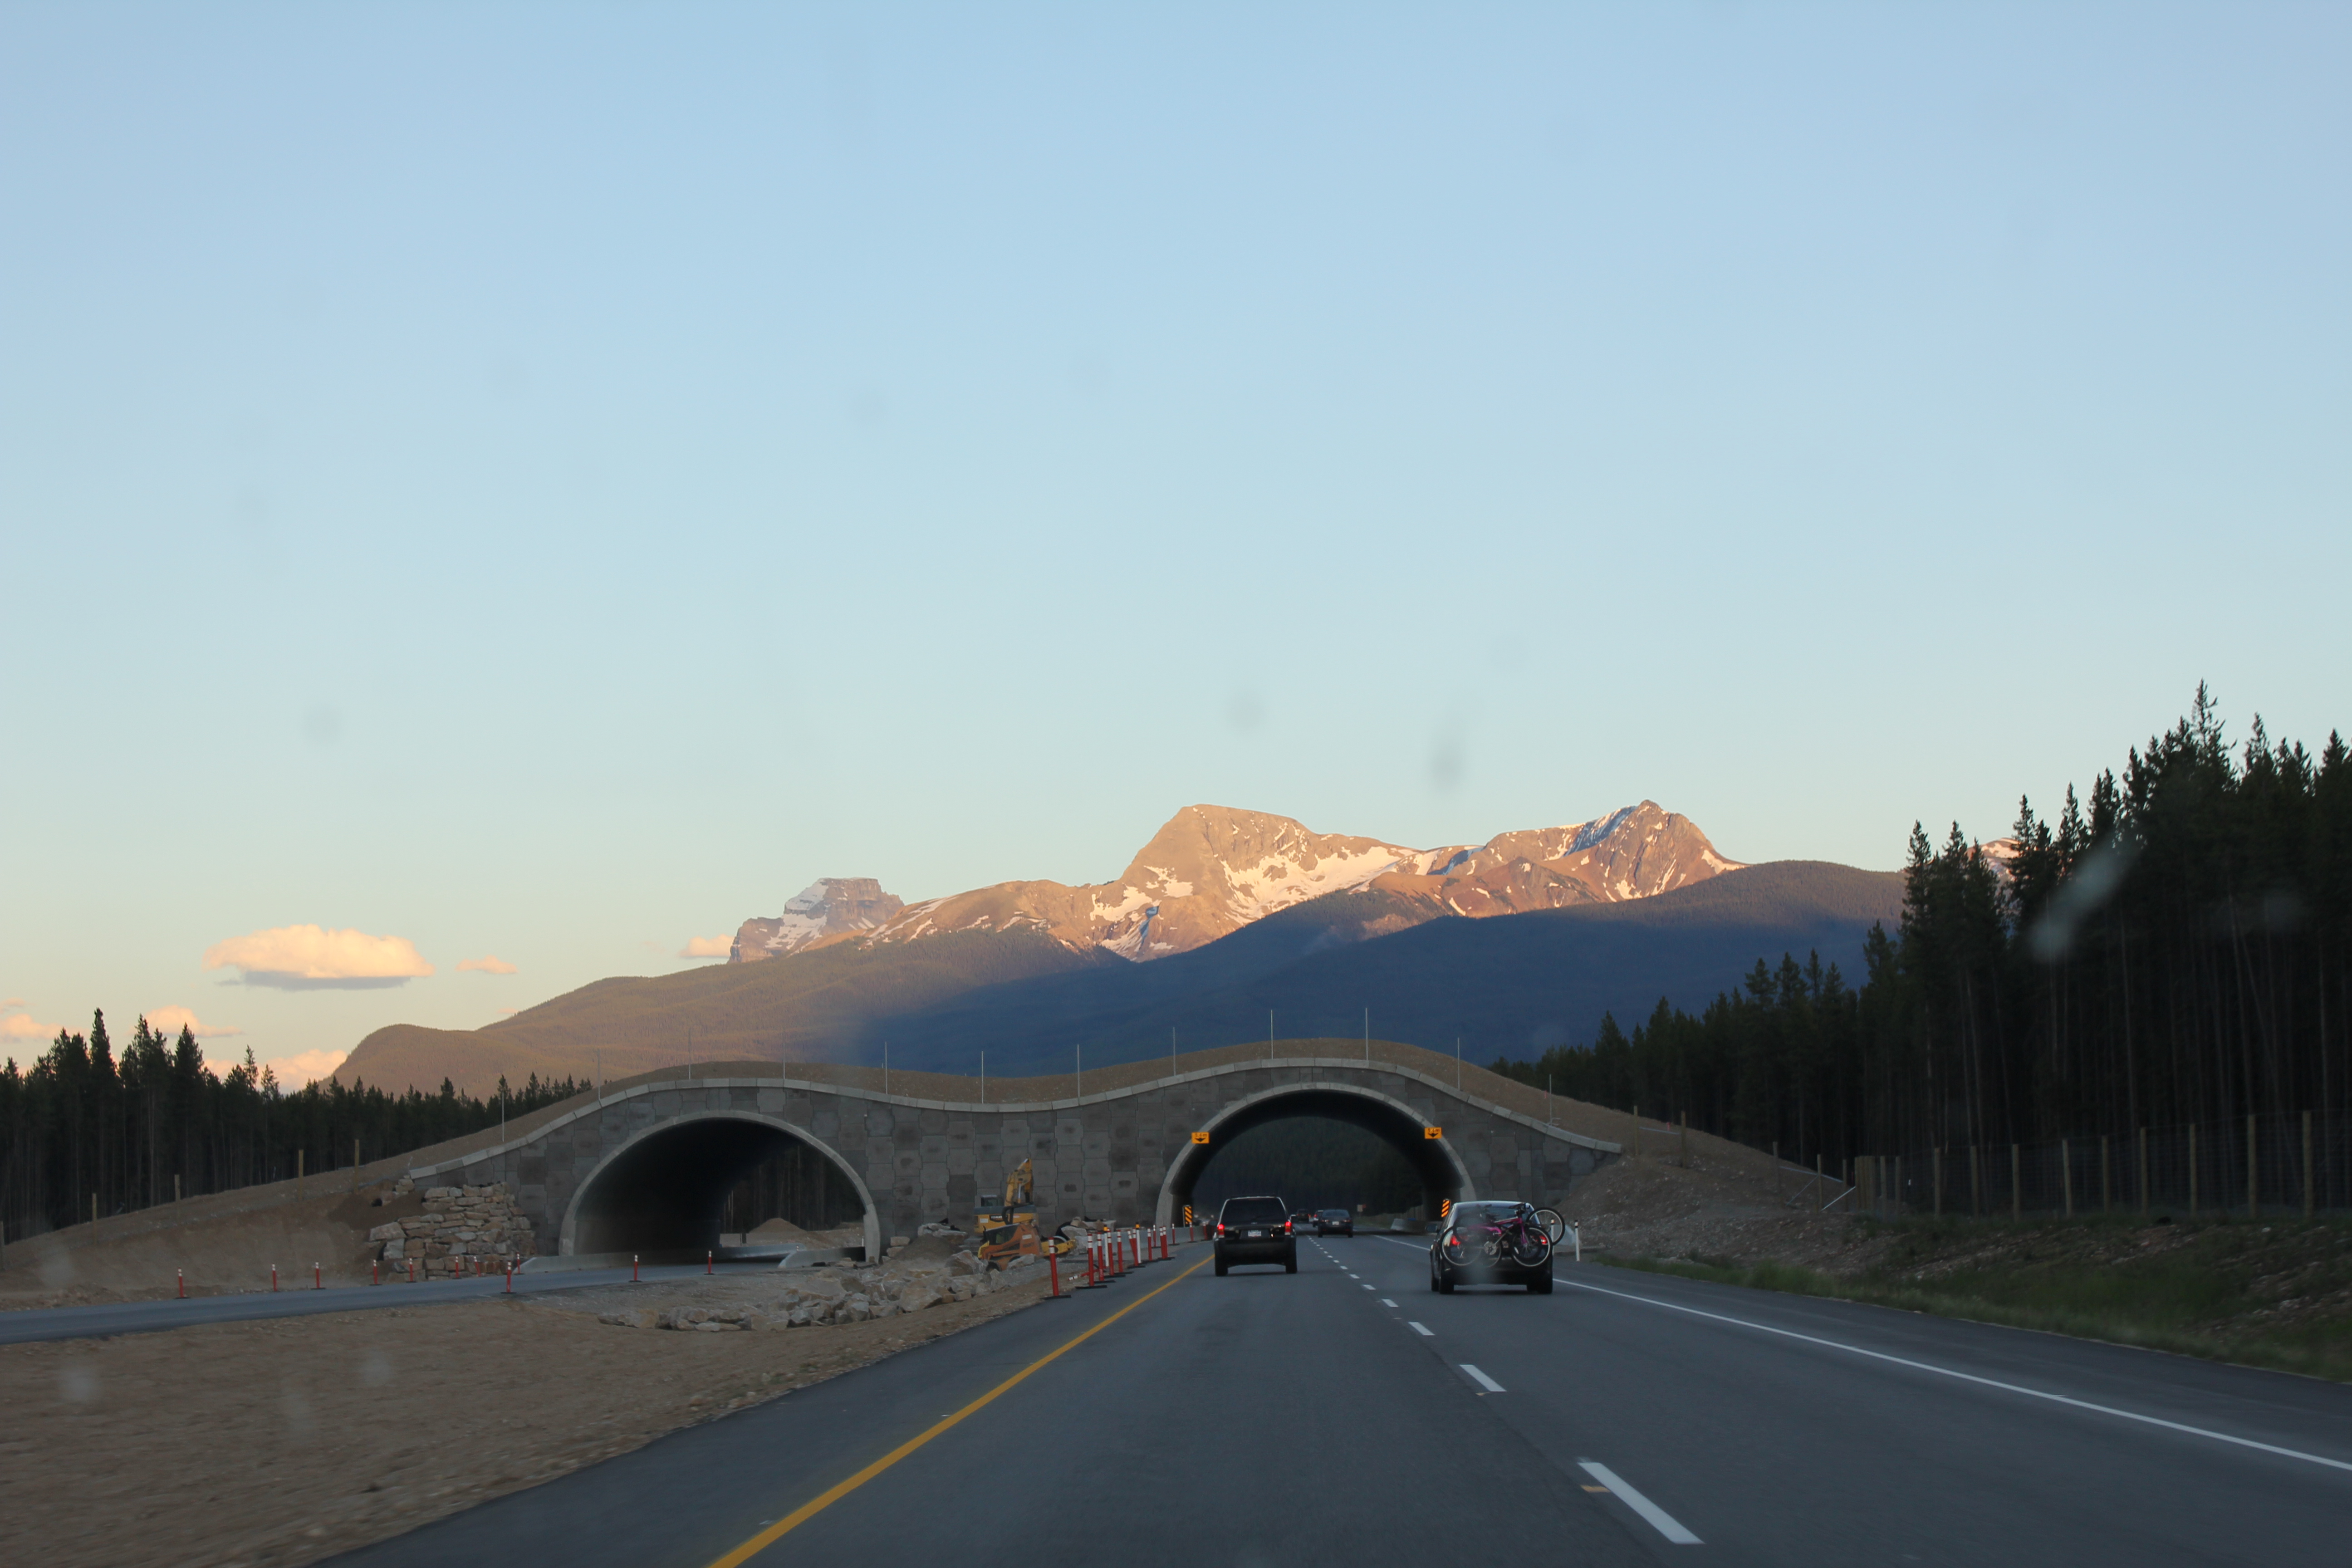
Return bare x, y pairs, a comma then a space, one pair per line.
510, 491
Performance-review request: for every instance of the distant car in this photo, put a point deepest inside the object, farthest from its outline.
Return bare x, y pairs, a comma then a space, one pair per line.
1335, 1222
1460, 1252
1302, 1222
1256, 1230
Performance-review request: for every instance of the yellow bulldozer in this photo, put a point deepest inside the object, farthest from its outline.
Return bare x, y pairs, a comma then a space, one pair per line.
1012, 1231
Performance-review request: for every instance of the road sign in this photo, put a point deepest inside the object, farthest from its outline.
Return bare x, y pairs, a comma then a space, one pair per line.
1432, 1132
1200, 1138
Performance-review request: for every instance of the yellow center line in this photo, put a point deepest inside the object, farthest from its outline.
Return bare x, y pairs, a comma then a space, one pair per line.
834, 1494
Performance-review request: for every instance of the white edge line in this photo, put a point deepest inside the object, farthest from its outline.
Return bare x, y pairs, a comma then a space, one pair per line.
1661, 1522
1488, 1383
1984, 1381
1417, 1329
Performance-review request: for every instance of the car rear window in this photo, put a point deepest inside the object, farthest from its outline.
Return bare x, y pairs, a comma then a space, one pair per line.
1335, 1214
1253, 1210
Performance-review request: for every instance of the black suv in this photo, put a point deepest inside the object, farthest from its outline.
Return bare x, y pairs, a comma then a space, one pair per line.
1256, 1230
1335, 1222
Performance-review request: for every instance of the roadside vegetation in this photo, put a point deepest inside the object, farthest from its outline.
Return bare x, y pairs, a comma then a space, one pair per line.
2273, 1293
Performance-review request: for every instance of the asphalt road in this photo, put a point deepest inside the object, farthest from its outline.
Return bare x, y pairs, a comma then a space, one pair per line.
298, 1300
1347, 1414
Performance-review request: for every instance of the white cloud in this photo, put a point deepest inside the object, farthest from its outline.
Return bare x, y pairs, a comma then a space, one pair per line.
707, 947
305, 1067
17, 1026
170, 1021
306, 958
488, 963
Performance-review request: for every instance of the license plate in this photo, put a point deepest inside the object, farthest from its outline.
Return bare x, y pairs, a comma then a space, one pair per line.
1254, 1234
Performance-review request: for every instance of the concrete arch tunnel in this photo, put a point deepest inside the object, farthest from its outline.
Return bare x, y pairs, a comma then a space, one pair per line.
643, 1166
1443, 1175
661, 1191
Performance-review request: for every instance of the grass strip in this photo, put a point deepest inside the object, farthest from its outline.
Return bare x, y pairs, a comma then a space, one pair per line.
2267, 1294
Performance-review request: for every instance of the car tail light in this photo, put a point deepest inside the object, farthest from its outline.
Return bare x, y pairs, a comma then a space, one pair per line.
1221, 1228
1286, 1227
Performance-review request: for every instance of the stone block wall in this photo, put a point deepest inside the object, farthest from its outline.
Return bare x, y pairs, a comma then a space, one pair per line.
459, 1226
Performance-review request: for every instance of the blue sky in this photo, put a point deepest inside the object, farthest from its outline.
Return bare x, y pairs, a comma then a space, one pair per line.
550, 483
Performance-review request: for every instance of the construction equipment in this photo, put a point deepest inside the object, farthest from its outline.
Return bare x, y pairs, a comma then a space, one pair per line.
1020, 1187
1008, 1237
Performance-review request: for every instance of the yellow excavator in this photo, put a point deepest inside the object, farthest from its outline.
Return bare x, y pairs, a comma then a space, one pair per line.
1012, 1231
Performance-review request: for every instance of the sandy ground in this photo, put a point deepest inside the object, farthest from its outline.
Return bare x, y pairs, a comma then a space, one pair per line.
279, 1443
139, 1258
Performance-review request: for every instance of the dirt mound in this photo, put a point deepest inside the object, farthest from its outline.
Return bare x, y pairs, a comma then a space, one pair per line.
784, 1233
1651, 1208
925, 1251
219, 1253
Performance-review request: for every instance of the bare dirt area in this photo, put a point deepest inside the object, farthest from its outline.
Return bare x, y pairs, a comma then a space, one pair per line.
1651, 1208
283, 1442
143, 1257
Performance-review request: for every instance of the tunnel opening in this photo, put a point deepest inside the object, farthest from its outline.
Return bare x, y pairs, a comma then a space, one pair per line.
1311, 1162
1340, 1148
670, 1196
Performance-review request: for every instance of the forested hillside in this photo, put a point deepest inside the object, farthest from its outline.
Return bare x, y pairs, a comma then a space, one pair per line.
81, 1126
2173, 949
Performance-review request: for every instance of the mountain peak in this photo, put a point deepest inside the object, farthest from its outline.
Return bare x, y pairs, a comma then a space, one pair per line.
828, 907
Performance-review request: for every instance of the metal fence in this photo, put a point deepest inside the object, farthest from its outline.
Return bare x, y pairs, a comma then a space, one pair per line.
2298, 1163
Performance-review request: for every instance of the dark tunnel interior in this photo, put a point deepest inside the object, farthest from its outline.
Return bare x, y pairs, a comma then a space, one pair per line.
1400, 1130
670, 1196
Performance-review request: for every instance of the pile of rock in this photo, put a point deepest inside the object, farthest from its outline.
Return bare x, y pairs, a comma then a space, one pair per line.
843, 1295
459, 1226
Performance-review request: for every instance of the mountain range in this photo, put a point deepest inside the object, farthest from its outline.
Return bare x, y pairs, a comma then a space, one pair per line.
1212, 869
1511, 946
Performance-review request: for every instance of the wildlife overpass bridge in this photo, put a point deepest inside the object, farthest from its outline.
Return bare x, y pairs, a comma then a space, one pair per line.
643, 1165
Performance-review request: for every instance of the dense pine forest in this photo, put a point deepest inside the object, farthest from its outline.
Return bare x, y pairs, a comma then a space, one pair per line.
84, 1126
2173, 950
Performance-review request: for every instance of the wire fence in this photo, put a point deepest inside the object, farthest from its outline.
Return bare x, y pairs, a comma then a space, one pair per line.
2282, 1165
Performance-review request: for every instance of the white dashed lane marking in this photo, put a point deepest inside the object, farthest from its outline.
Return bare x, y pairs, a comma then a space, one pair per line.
1483, 1381
1417, 1329
1661, 1522
1386, 1302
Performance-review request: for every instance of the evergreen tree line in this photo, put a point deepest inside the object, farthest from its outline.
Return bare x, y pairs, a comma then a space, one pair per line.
81, 1124
2176, 949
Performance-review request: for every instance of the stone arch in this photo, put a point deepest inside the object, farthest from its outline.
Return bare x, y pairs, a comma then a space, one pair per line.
1443, 1173
674, 1180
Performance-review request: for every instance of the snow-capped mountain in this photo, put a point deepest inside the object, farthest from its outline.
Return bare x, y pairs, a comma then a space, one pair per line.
1212, 869
828, 907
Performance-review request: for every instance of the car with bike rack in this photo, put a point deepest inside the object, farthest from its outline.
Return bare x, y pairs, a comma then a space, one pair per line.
1495, 1243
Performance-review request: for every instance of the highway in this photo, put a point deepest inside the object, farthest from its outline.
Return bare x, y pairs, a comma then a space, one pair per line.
1347, 1414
